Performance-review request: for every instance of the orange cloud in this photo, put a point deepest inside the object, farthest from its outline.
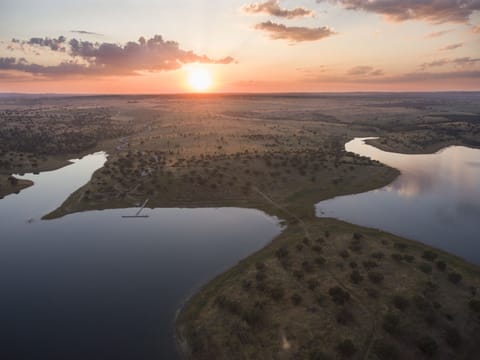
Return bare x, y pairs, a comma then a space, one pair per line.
294, 33
437, 34
272, 7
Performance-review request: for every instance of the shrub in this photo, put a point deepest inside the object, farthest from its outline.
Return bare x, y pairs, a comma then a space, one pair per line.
285, 262
453, 338
409, 258
277, 293
344, 317
436, 305
298, 274
429, 255
355, 277
260, 266
385, 351
261, 286
427, 345
254, 317
400, 302
346, 348
441, 265
475, 305
426, 268
397, 257
339, 296
353, 265
231, 306
282, 252
430, 287
454, 277
421, 303
400, 246
320, 298
344, 254
260, 276
430, 317
296, 299
246, 285
356, 245
369, 264
357, 236
378, 255
375, 277
373, 293
320, 260
391, 323
307, 267
318, 355
312, 284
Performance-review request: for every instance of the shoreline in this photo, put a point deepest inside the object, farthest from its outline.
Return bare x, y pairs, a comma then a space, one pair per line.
20, 184
181, 340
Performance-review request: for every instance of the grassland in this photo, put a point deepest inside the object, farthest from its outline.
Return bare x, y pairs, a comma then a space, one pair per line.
328, 290
323, 288
42, 134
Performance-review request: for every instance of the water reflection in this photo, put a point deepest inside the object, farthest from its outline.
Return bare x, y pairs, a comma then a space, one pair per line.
95, 286
436, 199
50, 189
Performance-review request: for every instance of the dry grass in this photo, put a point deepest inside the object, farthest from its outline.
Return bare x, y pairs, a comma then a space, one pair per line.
282, 155
249, 311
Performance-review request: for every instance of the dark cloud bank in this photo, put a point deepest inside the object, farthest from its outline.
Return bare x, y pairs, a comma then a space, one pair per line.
93, 58
364, 70
435, 11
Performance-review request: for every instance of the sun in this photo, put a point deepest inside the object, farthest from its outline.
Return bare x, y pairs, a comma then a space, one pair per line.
200, 79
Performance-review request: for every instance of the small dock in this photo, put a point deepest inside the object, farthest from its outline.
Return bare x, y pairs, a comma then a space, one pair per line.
137, 215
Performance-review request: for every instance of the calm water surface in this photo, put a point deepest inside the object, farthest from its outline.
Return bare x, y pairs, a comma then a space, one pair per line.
436, 199
95, 286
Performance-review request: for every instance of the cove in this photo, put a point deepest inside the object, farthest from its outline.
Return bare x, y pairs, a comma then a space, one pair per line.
94, 285
435, 200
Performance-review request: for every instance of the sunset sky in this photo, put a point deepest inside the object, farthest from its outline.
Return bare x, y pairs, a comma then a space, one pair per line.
154, 46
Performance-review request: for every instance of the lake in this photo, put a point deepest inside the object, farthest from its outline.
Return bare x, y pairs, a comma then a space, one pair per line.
94, 285
435, 200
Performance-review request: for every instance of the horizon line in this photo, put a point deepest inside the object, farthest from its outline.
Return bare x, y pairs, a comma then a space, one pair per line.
7, 93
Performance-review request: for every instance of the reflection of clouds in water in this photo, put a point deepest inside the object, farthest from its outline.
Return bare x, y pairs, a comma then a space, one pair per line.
411, 185
475, 164
422, 173
436, 199
445, 215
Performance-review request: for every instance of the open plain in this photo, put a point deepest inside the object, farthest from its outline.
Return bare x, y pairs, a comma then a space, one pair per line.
323, 288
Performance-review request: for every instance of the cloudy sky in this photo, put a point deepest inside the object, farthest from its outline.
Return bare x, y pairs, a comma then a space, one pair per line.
151, 46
